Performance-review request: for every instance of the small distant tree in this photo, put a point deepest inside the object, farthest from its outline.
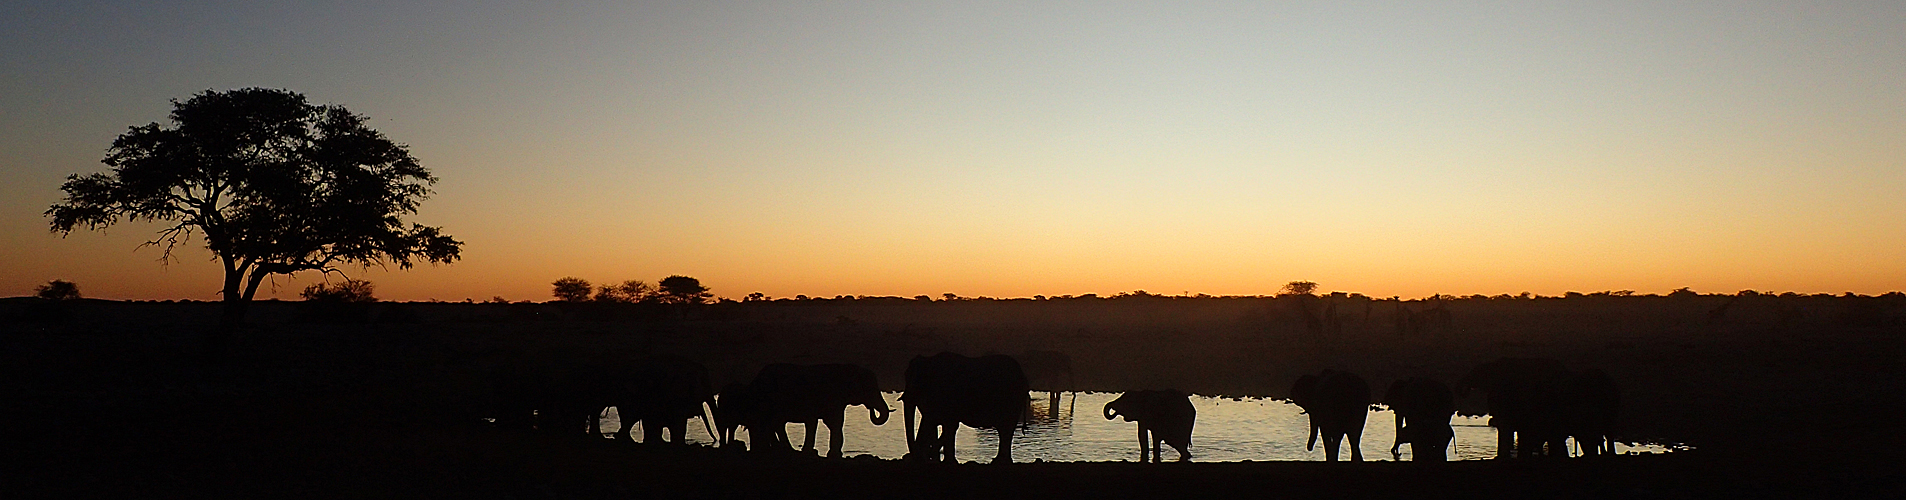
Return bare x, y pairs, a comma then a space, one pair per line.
628, 292
756, 297
1299, 288
572, 289
344, 291
683, 290
57, 290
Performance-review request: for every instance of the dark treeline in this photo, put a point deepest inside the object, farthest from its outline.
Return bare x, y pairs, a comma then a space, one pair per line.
1781, 389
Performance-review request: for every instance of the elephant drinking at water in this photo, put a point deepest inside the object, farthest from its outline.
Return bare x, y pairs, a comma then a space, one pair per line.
783, 393
1165, 415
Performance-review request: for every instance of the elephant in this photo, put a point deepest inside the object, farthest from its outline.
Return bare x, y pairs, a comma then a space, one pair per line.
545, 392
1591, 404
1524, 403
949, 389
662, 392
1338, 403
783, 393
1050, 371
1422, 407
1165, 415
737, 406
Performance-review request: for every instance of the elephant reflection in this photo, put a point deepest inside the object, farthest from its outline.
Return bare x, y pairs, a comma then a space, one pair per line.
1165, 415
1422, 407
808, 394
1537, 404
950, 389
1338, 403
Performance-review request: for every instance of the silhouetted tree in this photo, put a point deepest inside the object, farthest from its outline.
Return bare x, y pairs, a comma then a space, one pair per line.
756, 297
571, 289
57, 290
1299, 288
627, 292
683, 290
271, 183
344, 291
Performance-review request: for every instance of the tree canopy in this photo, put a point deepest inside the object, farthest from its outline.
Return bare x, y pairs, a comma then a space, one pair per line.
682, 290
271, 184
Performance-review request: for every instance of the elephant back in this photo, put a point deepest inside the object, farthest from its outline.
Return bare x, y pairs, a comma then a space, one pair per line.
988, 391
1523, 393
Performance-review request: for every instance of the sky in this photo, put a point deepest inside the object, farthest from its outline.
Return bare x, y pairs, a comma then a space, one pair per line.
1009, 149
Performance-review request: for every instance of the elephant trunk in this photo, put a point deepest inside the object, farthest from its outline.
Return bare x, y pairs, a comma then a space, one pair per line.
708, 406
1314, 431
878, 414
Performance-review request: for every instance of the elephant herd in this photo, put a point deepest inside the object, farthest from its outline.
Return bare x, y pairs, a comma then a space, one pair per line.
1536, 405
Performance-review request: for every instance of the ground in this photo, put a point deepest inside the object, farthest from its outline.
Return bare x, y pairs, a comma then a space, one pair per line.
1780, 397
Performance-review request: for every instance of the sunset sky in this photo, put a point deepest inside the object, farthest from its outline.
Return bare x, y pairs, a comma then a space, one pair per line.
1018, 148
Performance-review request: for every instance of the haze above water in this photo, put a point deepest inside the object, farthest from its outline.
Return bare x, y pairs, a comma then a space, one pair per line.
1227, 430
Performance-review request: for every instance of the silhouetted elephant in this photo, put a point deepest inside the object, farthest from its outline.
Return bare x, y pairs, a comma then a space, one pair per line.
988, 392
662, 392
1049, 371
808, 394
737, 406
1165, 415
1338, 403
1422, 407
1591, 404
1524, 401
546, 393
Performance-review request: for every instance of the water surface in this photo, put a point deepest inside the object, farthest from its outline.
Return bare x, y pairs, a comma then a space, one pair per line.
1227, 430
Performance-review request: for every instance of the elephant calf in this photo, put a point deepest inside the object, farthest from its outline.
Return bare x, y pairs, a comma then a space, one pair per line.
1165, 415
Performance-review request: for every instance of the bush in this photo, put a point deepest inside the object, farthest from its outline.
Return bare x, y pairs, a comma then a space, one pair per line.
343, 291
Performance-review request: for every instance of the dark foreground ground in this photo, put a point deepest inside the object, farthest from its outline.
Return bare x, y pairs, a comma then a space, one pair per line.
1779, 399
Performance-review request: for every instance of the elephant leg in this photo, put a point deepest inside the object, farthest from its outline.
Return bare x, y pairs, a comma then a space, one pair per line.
1331, 440
1005, 446
1398, 443
1505, 442
834, 437
679, 431
807, 445
1356, 444
946, 442
652, 430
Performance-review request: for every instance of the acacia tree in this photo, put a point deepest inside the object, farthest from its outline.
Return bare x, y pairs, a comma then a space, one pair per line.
271, 184
682, 290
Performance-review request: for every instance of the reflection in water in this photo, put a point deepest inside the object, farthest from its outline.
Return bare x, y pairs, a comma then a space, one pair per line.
1228, 430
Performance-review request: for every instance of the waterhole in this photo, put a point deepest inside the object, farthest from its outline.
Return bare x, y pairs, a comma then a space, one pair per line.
1075, 430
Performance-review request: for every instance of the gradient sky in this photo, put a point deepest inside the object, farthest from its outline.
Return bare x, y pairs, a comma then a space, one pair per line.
1020, 148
